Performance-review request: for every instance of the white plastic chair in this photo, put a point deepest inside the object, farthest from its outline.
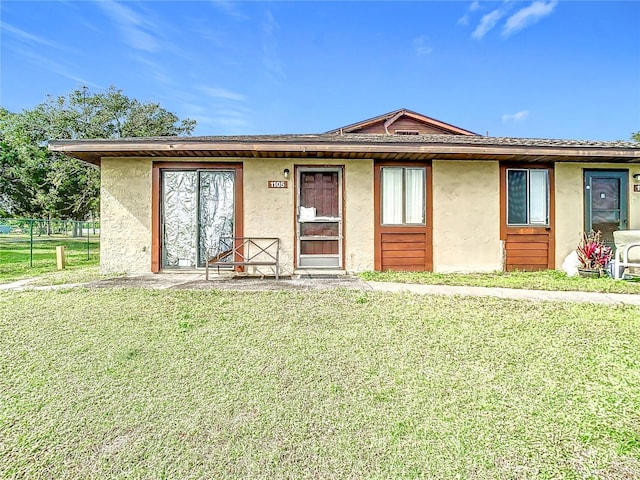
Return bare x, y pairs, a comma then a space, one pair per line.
627, 251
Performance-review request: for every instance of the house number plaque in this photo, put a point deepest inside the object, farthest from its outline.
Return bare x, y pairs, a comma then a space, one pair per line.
277, 184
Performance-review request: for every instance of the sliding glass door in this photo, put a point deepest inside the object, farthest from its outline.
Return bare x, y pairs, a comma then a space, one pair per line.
197, 210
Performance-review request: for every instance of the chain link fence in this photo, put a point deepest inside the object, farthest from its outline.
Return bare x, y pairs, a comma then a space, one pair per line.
31, 242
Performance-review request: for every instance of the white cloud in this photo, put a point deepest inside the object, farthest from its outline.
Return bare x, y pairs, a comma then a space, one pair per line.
135, 28
528, 16
421, 46
55, 67
229, 8
464, 20
212, 121
221, 112
487, 23
270, 58
26, 37
223, 94
517, 117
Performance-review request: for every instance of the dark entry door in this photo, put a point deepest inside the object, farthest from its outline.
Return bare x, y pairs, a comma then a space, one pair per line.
319, 222
605, 202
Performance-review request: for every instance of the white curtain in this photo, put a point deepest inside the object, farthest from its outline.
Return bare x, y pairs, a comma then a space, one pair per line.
391, 195
538, 197
414, 195
403, 196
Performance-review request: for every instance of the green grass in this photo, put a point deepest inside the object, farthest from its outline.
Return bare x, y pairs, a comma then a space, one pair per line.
133, 383
544, 280
15, 255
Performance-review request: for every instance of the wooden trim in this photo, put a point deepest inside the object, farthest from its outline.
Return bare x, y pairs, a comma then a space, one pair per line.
400, 113
488, 151
379, 229
156, 199
296, 191
548, 230
390, 121
552, 219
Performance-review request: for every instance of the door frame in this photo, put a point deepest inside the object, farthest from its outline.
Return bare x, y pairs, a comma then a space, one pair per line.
156, 200
623, 175
298, 170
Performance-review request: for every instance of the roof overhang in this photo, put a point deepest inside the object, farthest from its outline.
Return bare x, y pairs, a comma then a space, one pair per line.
380, 147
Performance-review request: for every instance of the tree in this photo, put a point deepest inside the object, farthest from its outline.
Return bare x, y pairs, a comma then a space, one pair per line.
38, 183
636, 136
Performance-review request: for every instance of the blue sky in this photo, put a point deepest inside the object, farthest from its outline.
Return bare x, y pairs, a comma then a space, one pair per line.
551, 69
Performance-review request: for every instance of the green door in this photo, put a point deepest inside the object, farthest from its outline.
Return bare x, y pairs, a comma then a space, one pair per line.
606, 202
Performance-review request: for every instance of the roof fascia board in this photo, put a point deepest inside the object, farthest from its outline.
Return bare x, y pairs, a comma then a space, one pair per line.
365, 123
431, 148
438, 123
391, 117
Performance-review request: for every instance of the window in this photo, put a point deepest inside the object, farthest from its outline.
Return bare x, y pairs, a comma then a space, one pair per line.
407, 132
527, 196
403, 196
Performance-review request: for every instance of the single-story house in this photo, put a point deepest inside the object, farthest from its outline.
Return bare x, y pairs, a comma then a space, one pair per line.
400, 191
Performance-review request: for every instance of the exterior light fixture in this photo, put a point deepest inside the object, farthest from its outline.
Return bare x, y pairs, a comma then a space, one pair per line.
286, 173
636, 177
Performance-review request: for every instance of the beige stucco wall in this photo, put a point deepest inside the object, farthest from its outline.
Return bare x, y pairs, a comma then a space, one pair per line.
359, 221
126, 210
466, 222
125, 214
569, 181
466, 216
268, 211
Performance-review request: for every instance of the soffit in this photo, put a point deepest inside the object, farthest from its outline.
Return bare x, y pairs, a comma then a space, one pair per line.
355, 146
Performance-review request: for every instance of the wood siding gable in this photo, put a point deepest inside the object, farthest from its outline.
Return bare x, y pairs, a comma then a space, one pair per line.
403, 122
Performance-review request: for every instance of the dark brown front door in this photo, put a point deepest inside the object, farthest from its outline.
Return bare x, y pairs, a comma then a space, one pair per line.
526, 217
319, 217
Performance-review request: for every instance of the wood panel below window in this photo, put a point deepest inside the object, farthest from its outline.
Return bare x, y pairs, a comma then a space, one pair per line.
527, 251
404, 251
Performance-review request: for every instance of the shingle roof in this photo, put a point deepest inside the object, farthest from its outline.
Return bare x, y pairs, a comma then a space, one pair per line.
360, 138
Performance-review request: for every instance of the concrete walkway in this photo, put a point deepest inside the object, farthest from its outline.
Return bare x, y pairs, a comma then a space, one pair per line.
197, 282
511, 293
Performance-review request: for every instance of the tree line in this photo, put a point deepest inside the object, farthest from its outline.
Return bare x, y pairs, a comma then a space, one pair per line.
37, 183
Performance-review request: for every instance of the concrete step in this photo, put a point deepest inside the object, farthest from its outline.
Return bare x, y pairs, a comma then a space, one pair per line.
318, 273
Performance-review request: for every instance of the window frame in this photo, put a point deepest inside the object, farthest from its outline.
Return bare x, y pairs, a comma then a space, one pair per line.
404, 169
528, 222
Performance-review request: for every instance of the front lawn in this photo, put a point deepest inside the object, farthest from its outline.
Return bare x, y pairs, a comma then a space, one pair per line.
19, 260
544, 280
132, 383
